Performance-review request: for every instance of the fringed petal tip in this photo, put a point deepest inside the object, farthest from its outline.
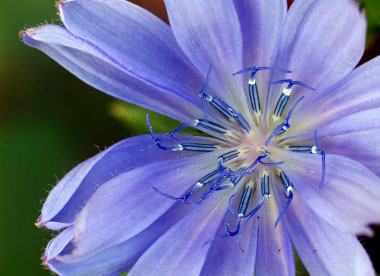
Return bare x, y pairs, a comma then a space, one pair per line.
26, 33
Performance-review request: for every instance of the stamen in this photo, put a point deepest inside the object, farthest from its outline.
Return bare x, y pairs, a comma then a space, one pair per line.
233, 182
288, 188
243, 206
228, 156
209, 125
197, 147
284, 126
226, 110
313, 150
253, 89
323, 155
285, 96
207, 179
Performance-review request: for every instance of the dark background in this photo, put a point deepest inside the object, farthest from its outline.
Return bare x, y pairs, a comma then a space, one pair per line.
50, 121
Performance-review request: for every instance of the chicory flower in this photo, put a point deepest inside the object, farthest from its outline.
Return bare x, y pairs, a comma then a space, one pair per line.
292, 156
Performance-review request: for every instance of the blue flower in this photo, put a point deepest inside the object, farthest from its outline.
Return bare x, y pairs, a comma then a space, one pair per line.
292, 158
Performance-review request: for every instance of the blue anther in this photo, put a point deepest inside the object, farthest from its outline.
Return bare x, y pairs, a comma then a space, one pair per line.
285, 95
252, 85
288, 189
254, 93
302, 149
228, 156
226, 110
210, 126
244, 201
197, 147
284, 126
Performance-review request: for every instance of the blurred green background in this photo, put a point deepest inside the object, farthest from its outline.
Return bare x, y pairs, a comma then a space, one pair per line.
50, 121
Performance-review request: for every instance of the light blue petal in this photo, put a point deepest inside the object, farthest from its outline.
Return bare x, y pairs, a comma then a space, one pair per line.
261, 24
225, 258
322, 41
179, 251
350, 197
141, 42
100, 70
359, 91
209, 33
113, 260
71, 194
274, 250
323, 249
355, 136
127, 204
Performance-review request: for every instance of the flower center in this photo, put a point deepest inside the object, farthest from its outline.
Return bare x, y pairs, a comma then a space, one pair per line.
247, 144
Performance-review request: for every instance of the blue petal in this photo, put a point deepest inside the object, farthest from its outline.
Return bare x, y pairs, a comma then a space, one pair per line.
355, 136
102, 71
127, 204
350, 196
225, 258
275, 254
141, 42
323, 249
209, 33
322, 41
261, 24
359, 91
110, 261
73, 191
179, 251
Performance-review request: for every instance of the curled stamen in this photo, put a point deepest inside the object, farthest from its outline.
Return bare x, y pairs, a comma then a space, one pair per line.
285, 96
320, 152
255, 69
243, 206
204, 89
313, 150
288, 188
284, 126
250, 169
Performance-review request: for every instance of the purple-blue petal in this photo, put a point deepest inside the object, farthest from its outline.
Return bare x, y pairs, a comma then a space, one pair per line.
100, 70
179, 251
110, 261
261, 24
140, 41
350, 197
322, 41
209, 34
225, 258
274, 250
127, 204
323, 249
354, 136
360, 90
71, 194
